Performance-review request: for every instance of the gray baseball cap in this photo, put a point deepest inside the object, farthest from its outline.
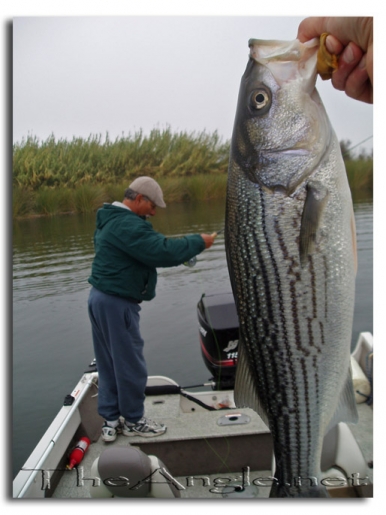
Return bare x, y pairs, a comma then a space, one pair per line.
150, 188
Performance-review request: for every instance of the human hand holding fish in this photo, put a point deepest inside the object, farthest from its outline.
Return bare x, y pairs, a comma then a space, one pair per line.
350, 38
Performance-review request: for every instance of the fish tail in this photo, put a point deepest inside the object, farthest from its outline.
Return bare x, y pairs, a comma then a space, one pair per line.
286, 490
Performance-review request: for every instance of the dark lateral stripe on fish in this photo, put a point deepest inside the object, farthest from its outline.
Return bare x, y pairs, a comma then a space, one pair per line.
258, 361
295, 319
312, 272
322, 332
304, 369
294, 303
300, 346
297, 441
325, 268
311, 335
315, 365
266, 274
311, 339
268, 379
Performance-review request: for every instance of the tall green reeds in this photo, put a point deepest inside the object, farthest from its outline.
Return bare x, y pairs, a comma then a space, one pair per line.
50, 201
89, 197
56, 176
162, 153
360, 177
22, 202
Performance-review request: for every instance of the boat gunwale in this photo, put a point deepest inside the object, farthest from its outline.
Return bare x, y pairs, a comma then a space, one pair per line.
34, 465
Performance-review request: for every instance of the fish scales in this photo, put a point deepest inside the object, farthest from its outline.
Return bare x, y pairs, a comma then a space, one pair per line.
289, 242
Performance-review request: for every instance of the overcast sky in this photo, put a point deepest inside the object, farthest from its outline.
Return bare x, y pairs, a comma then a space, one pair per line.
78, 76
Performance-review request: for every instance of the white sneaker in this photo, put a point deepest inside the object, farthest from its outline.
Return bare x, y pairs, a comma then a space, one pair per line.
109, 433
144, 427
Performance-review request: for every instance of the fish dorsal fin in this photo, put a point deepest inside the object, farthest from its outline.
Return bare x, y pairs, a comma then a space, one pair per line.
245, 393
346, 410
313, 208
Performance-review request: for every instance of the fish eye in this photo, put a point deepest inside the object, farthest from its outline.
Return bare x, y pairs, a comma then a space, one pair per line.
260, 101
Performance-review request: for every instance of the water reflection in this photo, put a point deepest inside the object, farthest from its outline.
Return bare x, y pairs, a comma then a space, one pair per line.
51, 255
52, 338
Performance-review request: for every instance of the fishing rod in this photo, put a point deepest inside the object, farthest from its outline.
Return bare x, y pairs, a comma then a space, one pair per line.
192, 261
173, 389
170, 389
355, 146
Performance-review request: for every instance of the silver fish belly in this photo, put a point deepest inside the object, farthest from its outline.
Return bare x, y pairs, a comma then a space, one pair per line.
291, 252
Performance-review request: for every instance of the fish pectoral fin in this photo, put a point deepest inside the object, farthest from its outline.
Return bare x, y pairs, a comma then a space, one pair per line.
346, 410
245, 392
313, 208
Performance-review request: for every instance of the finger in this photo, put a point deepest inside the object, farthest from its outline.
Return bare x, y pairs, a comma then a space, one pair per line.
348, 61
348, 29
311, 27
333, 45
358, 85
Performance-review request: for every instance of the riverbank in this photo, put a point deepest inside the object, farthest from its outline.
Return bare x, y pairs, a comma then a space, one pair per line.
59, 176
360, 178
88, 198
56, 176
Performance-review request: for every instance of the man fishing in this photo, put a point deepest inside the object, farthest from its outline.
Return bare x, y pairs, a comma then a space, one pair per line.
127, 252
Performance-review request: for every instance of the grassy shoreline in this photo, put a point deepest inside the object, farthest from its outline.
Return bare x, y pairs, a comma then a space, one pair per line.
88, 198
55, 177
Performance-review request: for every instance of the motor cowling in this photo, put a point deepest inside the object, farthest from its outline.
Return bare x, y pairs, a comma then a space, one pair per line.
219, 337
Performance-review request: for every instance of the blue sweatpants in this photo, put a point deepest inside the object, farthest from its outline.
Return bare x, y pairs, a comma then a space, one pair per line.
118, 348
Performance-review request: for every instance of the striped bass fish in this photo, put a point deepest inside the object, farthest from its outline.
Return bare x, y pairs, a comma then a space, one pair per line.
291, 253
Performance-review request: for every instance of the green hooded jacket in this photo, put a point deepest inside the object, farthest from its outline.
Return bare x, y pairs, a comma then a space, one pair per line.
128, 250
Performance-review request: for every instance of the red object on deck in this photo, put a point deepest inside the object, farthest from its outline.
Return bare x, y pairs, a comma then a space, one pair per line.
78, 452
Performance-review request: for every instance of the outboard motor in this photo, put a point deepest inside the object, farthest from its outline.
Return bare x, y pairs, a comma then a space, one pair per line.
219, 337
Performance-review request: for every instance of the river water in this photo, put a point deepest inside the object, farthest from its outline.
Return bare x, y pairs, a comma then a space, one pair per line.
51, 332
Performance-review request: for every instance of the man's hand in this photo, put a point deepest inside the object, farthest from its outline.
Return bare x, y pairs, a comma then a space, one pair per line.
209, 239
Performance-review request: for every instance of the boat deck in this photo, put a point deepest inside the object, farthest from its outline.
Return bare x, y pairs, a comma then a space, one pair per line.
194, 443
203, 444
